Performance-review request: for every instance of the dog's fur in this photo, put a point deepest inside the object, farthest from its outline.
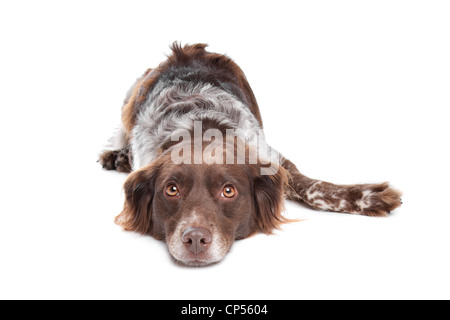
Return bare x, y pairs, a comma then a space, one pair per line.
184, 204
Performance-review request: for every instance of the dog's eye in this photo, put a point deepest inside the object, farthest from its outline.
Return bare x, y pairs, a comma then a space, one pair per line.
172, 190
228, 192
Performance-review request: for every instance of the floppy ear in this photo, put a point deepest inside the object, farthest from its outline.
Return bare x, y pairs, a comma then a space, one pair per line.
139, 190
269, 199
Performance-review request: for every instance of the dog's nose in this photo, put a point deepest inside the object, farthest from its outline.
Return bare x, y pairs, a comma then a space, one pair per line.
196, 239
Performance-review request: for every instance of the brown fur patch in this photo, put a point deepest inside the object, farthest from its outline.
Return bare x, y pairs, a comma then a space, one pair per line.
128, 110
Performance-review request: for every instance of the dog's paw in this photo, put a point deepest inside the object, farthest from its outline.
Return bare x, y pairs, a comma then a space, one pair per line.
115, 160
375, 199
123, 161
108, 159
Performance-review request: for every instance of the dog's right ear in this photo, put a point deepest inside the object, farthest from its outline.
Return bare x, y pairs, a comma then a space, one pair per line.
269, 199
139, 191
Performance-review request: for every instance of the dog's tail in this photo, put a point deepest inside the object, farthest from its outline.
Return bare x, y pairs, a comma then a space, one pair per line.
365, 199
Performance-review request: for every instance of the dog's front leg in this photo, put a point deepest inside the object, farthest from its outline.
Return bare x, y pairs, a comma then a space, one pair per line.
366, 199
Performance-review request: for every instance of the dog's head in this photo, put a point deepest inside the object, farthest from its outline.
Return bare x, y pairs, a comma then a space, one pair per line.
200, 209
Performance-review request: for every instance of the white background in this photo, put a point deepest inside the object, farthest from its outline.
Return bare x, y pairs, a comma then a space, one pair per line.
351, 91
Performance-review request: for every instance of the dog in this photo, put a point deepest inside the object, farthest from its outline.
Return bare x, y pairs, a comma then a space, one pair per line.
201, 173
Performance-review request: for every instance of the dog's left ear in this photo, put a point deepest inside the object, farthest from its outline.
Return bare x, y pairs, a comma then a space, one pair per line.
269, 199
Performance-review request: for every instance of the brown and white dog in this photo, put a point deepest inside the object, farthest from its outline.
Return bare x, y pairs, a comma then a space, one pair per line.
200, 194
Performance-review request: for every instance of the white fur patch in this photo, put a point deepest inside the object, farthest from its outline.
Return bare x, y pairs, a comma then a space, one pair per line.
313, 192
365, 200
322, 205
117, 141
